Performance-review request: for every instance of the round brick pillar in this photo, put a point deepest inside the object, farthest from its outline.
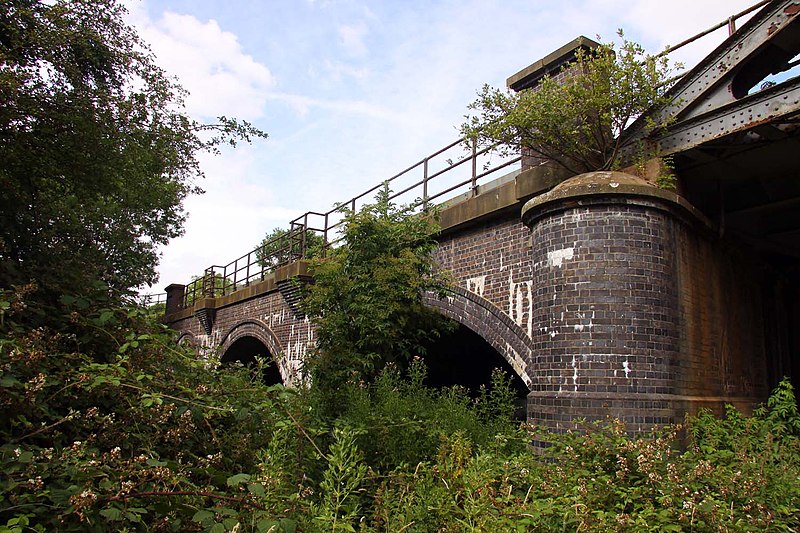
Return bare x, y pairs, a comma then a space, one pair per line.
606, 314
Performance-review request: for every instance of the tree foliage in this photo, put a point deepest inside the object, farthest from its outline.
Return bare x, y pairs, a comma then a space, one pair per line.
108, 426
280, 245
96, 153
576, 119
367, 295
207, 286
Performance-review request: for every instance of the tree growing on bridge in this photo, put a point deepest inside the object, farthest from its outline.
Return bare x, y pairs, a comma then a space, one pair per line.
96, 151
366, 297
575, 120
280, 245
208, 285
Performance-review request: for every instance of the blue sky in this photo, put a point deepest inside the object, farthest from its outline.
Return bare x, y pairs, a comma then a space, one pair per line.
351, 92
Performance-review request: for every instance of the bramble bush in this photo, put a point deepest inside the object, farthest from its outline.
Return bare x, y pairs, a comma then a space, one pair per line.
138, 434
141, 436
107, 425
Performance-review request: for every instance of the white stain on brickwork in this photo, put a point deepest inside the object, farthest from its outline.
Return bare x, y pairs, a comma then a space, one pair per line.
477, 285
556, 258
208, 348
518, 364
274, 319
584, 322
575, 372
520, 303
627, 369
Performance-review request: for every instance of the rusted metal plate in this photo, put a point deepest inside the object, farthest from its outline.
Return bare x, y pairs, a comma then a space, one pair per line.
711, 84
766, 106
711, 100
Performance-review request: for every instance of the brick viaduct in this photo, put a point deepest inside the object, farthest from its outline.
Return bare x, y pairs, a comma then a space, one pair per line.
605, 294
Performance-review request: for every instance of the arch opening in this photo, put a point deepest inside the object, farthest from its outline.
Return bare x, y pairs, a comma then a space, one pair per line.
462, 357
249, 352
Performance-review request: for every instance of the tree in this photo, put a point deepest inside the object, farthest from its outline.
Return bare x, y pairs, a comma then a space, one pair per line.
577, 120
208, 286
96, 151
367, 295
280, 246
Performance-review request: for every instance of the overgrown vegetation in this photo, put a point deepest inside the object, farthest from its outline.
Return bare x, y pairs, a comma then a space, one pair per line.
97, 152
366, 297
576, 119
109, 426
280, 246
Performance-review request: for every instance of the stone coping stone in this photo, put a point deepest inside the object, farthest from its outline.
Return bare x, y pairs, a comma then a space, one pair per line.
609, 186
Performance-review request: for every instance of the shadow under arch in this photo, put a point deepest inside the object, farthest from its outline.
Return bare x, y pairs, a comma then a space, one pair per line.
486, 321
245, 340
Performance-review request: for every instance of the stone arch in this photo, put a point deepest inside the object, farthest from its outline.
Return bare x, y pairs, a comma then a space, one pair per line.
489, 322
260, 331
187, 338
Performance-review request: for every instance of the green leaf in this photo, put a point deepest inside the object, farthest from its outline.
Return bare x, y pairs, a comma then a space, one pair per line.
25, 457
256, 489
112, 514
266, 525
202, 516
230, 523
237, 479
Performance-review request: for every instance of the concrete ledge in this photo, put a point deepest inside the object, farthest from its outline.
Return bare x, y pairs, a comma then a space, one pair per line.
612, 186
269, 284
530, 75
501, 195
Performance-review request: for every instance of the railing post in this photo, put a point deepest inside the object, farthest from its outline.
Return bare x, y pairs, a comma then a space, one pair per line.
425, 185
325, 237
208, 283
263, 262
304, 242
474, 166
249, 261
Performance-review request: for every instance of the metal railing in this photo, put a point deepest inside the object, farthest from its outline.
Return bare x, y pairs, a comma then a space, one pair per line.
416, 187
149, 300
449, 170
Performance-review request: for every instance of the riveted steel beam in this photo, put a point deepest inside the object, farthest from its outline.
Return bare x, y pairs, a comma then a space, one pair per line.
712, 99
744, 114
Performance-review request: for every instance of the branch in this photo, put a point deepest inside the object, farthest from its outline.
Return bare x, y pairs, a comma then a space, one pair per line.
70, 416
125, 497
302, 429
184, 400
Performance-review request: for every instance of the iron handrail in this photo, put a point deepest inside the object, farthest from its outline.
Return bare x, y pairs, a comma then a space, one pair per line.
255, 265
221, 280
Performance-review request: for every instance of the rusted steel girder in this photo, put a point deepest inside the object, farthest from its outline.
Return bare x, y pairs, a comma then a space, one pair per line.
712, 99
766, 106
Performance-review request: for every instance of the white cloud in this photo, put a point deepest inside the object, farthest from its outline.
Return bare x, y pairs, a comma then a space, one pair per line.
302, 105
209, 63
358, 102
336, 71
351, 37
